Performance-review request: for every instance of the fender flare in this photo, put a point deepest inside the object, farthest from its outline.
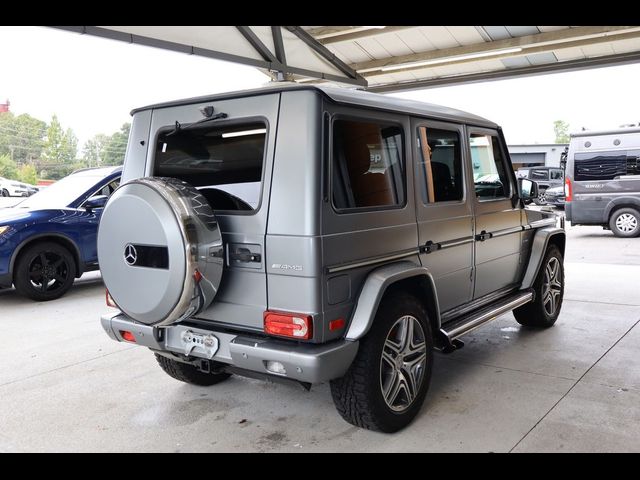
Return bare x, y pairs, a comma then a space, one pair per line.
43, 236
541, 240
374, 288
620, 202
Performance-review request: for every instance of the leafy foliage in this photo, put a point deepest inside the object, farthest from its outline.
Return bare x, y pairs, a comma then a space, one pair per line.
8, 168
561, 129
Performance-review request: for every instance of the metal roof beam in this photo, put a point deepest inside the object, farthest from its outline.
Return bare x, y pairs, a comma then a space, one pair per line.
329, 56
257, 44
567, 66
525, 45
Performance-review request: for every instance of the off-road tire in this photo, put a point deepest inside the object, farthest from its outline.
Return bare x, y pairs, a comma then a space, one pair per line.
534, 313
188, 373
358, 395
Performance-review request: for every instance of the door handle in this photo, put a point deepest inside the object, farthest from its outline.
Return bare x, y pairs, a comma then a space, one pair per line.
483, 235
430, 247
245, 255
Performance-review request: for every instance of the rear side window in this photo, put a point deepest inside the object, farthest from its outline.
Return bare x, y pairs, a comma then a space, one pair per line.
600, 165
368, 165
224, 163
440, 165
556, 174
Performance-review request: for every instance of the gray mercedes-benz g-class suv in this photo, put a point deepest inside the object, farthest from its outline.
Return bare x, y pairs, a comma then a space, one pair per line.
321, 234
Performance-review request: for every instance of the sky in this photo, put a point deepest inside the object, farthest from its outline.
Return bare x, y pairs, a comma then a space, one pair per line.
93, 83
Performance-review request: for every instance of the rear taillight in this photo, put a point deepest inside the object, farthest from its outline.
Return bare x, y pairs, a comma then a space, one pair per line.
127, 336
568, 190
109, 299
291, 325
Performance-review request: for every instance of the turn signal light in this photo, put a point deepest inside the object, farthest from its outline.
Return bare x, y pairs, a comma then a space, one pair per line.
109, 299
291, 325
128, 336
568, 190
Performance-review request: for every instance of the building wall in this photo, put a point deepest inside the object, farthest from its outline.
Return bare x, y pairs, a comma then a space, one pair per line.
544, 154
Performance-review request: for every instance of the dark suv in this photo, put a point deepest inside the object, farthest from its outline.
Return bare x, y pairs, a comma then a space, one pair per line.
545, 177
320, 234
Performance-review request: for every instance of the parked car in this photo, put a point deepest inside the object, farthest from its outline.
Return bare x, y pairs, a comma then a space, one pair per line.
555, 196
49, 239
545, 177
12, 188
603, 180
277, 233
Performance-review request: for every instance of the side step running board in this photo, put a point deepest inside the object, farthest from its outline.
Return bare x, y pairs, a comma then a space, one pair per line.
458, 327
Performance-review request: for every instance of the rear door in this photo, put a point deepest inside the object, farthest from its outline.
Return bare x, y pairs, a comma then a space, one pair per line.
444, 210
229, 160
498, 220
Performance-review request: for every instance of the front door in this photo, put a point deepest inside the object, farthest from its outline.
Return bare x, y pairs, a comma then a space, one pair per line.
443, 210
498, 223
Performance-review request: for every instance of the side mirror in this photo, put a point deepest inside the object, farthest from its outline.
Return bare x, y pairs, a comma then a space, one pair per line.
97, 201
527, 189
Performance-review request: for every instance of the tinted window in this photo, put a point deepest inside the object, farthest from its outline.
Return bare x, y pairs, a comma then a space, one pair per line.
489, 172
223, 163
368, 165
555, 174
440, 165
600, 165
539, 174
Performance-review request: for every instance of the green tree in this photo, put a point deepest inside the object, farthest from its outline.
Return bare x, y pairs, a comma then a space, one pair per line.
60, 150
116, 147
8, 168
28, 174
561, 129
93, 152
21, 137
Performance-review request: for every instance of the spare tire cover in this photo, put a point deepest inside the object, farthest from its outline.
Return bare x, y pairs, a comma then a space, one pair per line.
160, 250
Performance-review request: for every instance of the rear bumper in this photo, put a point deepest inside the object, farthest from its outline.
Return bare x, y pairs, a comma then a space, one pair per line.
302, 362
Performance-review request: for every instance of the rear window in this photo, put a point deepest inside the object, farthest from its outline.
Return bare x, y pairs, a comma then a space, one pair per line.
600, 165
224, 163
368, 165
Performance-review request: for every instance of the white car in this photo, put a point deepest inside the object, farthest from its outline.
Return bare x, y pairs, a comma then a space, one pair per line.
13, 188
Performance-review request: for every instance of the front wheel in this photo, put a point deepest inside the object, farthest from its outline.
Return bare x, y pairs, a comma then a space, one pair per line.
625, 223
386, 385
5, 192
44, 271
548, 288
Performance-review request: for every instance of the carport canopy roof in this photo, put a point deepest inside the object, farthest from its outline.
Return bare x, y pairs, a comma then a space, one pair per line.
392, 58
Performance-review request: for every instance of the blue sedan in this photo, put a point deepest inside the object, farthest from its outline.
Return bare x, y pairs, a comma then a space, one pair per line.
49, 239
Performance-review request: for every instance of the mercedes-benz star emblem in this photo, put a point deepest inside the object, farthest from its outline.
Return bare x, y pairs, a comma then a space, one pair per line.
130, 254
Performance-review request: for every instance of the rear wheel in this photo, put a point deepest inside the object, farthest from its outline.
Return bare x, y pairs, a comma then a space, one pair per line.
188, 373
44, 271
625, 223
5, 192
548, 289
386, 385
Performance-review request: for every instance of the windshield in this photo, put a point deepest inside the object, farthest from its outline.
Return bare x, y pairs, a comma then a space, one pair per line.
62, 193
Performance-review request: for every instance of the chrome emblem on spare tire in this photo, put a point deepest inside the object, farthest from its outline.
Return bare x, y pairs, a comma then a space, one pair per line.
130, 254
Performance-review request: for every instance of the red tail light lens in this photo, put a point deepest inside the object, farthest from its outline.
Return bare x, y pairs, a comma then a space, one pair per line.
109, 299
568, 190
128, 336
291, 325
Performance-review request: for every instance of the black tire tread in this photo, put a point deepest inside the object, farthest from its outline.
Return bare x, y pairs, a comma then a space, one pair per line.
21, 279
352, 394
612, 223
532, 314
188, 373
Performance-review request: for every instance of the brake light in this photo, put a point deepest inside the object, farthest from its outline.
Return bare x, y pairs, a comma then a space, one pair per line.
291, 325
128, 336
568, 190
109, 299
